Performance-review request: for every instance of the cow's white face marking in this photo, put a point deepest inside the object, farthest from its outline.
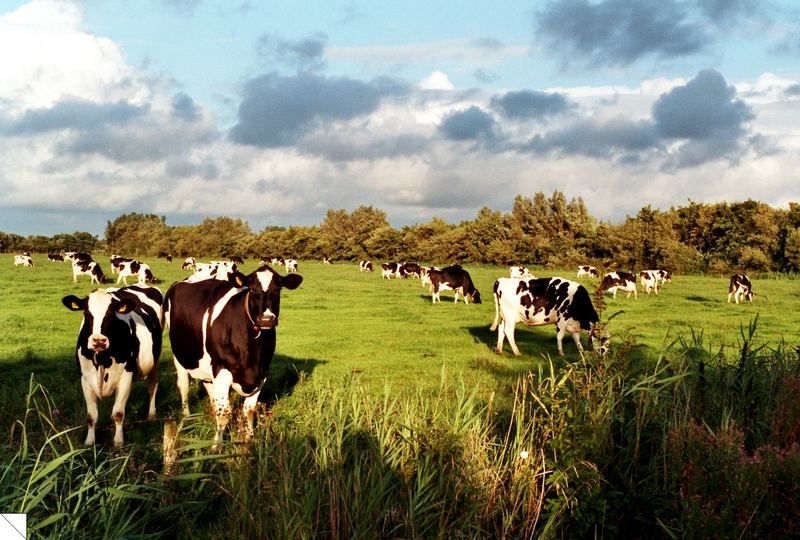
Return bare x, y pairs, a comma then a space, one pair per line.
98, 303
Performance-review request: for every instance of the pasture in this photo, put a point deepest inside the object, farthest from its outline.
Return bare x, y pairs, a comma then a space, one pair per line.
346, 329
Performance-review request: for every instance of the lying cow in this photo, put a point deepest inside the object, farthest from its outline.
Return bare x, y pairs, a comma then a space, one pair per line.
223, 333
135, 268
23, 260
586, 270
119, 341
740, 287
623, 281
365, 266
520, 272
538, 302
91, 269
653, 279
456, 279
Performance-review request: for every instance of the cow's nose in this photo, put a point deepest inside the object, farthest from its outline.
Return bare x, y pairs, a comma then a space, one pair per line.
99, 343
267, 320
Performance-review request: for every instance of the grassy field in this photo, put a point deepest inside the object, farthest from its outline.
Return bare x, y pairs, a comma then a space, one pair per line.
387, 416
342, 323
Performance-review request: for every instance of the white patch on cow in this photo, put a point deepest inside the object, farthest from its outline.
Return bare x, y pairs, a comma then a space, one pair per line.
99, 302
220, 305
203, 371
264, 278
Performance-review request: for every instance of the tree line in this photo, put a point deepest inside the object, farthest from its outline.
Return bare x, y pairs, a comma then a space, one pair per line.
540, 230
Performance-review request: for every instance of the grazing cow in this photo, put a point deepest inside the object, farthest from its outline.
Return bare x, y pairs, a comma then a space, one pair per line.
188, 263
55, 257
365, 266
740, 287
168, 257
277, 261
390, 269
425, 275
538, 302
91, 269
291, 266
586, 270
223, 333
117, 262
135, 268
327, 260
23, 260
119, 341
652, 279
236, 259
456, 279
409, 269
623, 281
520, 272
219, 270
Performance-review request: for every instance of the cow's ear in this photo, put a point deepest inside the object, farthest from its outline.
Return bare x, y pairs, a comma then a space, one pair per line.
237, 279
73, 303
291, 281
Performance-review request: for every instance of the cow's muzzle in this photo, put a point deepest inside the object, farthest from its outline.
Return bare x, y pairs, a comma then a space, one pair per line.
98, 343
266, 321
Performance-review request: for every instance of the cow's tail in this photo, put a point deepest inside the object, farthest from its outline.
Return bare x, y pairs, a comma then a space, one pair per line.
496, 307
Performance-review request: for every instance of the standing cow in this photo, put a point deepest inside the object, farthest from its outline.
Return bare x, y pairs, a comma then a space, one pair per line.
520, 272
23, 260
223, 333
390, 269
586, 270
537, 302
119, 341
623, 281
456, 279
652, 279
365, 266
91, 269
740, 287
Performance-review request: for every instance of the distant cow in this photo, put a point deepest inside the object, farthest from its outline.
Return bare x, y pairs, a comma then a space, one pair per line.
188, 263
456, 279
23, 260
389, 270
520, 272
117, 262
219, 270
586, 270
223, 333
327, 260
291, 266
236, 259
55, 257
365, 266
740, 287
135, 268
653, 279
623, 281
91, 269
538, 302
409, 269
119, 341
277, 261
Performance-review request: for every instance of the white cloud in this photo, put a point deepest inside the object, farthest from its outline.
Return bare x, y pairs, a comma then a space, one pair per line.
436, 81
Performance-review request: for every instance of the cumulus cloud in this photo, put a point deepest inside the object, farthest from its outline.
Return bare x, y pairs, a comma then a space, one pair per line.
618, 32
469, 125
531, 104
599, 139
184, 108
277, 110
73, 114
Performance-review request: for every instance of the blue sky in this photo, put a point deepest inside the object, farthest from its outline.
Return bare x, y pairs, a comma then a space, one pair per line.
276, 111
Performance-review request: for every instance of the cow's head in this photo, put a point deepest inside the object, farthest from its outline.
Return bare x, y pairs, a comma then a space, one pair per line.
264, 294
475, 297
600, 338
100, 311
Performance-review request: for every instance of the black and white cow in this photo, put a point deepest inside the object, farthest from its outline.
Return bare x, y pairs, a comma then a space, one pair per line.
55, 257
652, 279
277, 261
327, 260
219, 270
586, 270
623, 281
425, 275
119, 341
23, 260
74, 256
520, 272
456, 279
740, 287
390, 269
91, 269
188, 263
135, 268
409, 269
365, 266
117, 261
291, 266
538, 302
223, 333
236, 259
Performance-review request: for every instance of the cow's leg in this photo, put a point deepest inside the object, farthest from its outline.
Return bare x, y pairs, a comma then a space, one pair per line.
577, 337
118, 412
152, 388
249, 412
91, 410
183, 385
455, 292
560, 338
509, 326
220, 392
501, 335
729, 297
119, 278
614, 294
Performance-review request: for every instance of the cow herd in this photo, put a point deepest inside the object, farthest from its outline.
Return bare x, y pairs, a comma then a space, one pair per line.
222, 323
